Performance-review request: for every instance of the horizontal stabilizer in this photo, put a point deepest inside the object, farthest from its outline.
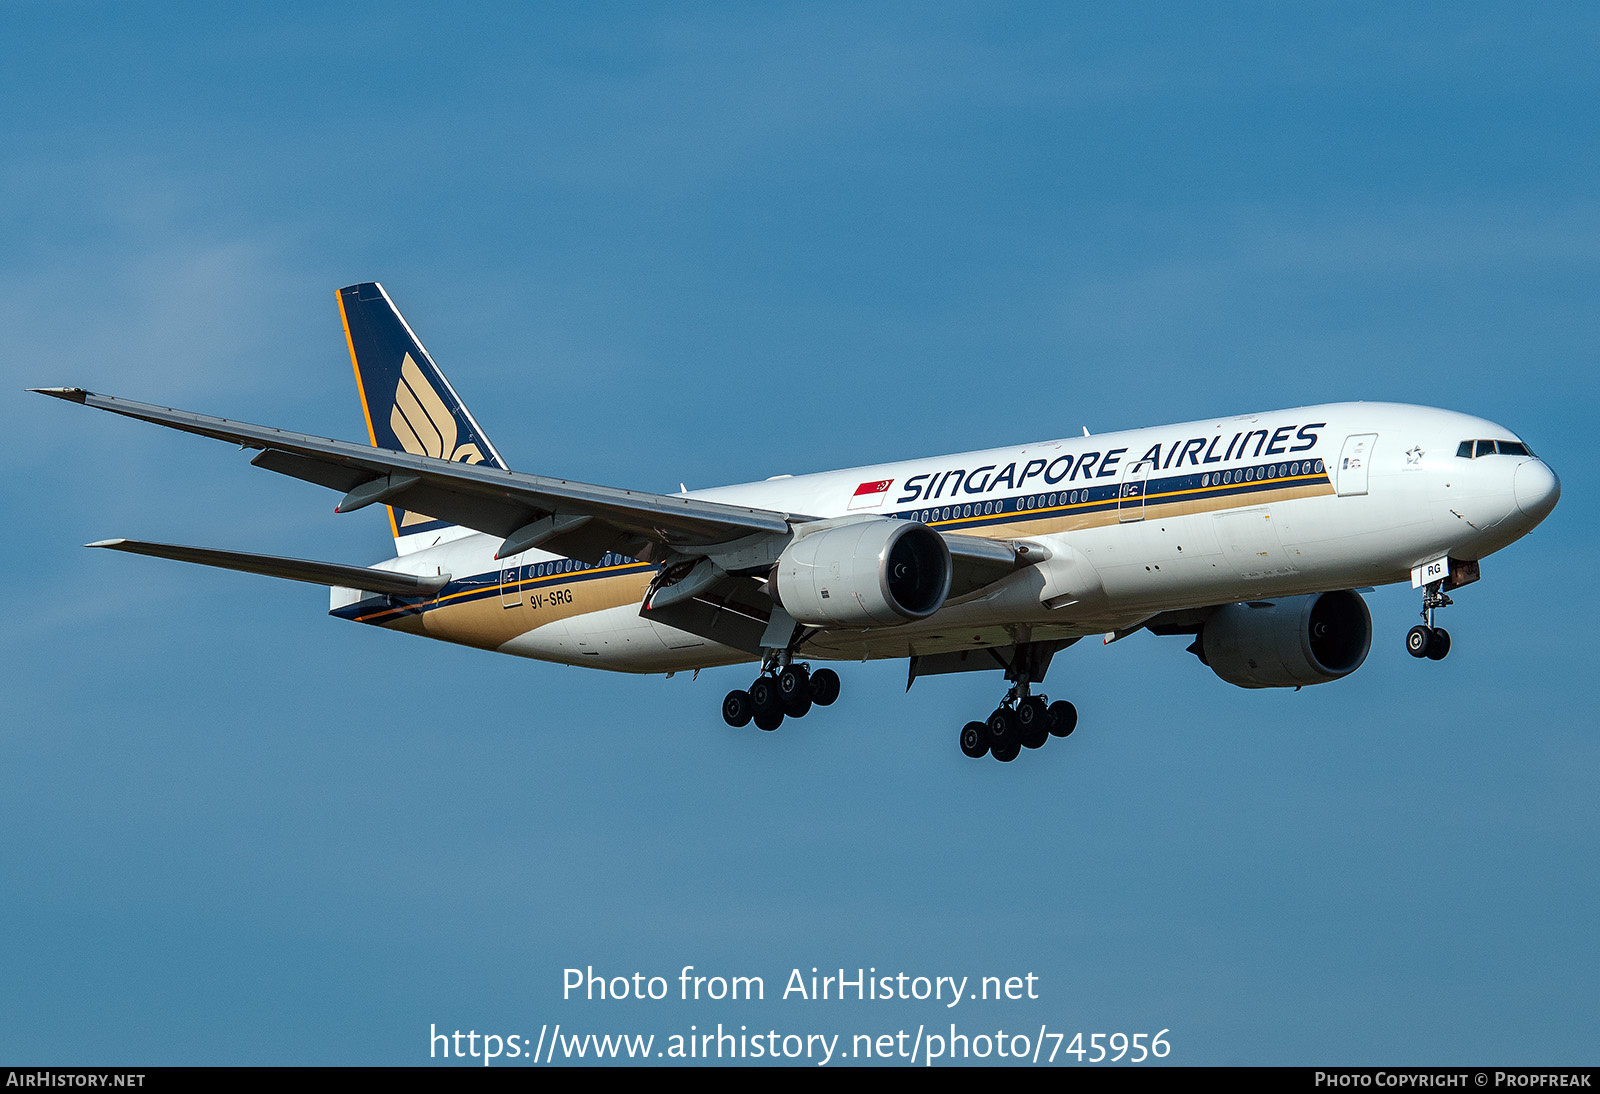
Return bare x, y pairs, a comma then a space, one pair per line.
295, 569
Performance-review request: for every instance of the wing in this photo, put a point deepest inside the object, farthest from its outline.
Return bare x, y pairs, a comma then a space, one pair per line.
295, 569
576, 519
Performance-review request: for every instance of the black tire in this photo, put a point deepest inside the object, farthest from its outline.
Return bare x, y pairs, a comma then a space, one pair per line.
1033, 722
975, 739
1418, 639
736, 709
824, 687
1063, 718
1007, 752
1439, 648
764, 697
799, 709
769, 721
1003, 731
794, 688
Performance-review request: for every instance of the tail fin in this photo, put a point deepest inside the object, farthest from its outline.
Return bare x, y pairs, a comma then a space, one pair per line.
410, 406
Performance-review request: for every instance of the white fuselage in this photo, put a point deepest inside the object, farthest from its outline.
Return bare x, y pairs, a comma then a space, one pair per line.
1136, 523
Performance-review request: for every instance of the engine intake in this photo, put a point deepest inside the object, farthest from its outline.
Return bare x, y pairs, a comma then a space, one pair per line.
1289, 642
869, 573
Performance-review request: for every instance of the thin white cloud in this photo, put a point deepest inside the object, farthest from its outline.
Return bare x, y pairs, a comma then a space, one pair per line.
117, 281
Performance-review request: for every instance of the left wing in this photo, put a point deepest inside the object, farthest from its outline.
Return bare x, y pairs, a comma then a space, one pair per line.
295, 569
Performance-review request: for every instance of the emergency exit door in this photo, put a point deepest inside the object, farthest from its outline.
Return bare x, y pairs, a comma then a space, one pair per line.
1130, 495
1350, 477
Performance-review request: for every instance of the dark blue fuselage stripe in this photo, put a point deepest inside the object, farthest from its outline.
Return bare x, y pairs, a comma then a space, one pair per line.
1100, 499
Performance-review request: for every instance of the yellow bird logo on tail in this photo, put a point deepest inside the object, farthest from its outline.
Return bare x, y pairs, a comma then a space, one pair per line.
425, 425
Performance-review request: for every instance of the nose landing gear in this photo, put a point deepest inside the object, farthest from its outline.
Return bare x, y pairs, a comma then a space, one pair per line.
1426, 640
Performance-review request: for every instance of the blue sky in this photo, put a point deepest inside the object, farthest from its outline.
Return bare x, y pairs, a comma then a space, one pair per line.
714, 243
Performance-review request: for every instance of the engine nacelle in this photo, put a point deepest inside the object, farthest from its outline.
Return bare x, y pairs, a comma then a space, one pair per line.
1289, 642
869, 573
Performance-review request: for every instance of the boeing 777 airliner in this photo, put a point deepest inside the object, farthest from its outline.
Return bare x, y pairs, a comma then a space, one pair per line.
1252, 534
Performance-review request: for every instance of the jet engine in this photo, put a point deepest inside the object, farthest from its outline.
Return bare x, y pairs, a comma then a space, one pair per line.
1289, 642
869, 573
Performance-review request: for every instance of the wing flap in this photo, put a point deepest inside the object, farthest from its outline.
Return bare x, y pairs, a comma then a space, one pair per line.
331, 475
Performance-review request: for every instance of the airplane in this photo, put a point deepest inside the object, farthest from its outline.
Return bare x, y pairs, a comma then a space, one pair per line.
1255, 535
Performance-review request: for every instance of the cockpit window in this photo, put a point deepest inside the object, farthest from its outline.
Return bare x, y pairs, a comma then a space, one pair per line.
1469, 450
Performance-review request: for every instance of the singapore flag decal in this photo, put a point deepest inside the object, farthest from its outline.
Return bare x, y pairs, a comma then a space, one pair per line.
869, 494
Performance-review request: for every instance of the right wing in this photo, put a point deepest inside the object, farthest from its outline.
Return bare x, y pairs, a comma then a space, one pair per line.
575, 519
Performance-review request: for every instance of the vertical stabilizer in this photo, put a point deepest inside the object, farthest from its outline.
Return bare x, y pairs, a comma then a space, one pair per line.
409, 405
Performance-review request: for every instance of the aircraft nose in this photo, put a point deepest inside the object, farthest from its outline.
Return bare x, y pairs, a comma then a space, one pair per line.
1536, 488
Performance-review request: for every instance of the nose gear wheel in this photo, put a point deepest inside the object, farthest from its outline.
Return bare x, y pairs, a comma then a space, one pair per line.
1426, 640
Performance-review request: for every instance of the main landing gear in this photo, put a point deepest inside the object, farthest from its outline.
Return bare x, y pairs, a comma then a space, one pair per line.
1020, 721
1426, 640
779, 692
